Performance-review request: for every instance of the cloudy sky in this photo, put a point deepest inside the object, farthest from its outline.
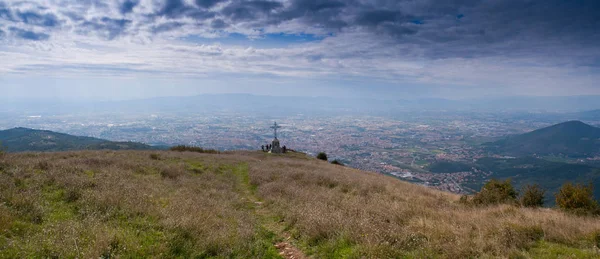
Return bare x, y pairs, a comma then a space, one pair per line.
121, 49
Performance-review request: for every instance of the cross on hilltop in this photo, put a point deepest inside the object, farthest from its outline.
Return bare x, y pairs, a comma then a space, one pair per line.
275, 127
274, 146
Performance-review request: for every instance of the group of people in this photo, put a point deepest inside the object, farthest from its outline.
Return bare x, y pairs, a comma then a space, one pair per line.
268, 147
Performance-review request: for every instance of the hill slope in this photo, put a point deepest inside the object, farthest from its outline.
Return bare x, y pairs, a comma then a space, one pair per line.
572, 138
239, 205
24, 139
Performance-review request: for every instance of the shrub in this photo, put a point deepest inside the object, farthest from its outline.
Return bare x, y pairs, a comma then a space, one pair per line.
336, 162
465, 199
42, 165
532, 196
596, 237
154, 156
577, 198
171, 172
520, 236
495, 192
183, 148
322, 156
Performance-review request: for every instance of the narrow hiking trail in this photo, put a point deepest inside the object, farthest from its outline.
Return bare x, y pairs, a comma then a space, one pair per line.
285, 246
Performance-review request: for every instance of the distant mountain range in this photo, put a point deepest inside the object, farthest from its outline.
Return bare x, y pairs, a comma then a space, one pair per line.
24, 139
572, 139
285, 105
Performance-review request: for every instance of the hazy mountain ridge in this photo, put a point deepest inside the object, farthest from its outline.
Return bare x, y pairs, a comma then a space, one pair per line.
572, 139
25, 139
549, 156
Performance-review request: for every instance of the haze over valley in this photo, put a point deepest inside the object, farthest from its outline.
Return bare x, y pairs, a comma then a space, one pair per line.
445, 146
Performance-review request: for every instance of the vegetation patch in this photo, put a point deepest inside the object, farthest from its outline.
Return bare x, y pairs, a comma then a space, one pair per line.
577, 198
495, 192
521, 236
322, 156
196, 167
127, 214
184, 205
184, 148
532, 196
553, 250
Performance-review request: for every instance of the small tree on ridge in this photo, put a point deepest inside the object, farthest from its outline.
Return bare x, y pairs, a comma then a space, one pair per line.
577, 198
495, 192
322, 156
532, 196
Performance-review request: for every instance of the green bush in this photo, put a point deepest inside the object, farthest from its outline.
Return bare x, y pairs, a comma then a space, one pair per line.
532, 196
577, 198
155, 156
322, 156
336, 162
495, 192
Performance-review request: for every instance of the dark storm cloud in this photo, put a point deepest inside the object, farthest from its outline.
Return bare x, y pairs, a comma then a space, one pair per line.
73, 16
513, 28
249, 10
178, 8
315, 6
173, 8
208, 3
441, 28
218, 24
320, 13
5, 13
376, 17
110, 28
33, 18
165, 27
128, 5
29, 35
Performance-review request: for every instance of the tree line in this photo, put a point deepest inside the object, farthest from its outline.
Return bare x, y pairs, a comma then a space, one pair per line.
573, 198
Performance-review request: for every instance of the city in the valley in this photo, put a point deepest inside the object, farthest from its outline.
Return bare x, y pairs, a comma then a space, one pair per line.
430, 148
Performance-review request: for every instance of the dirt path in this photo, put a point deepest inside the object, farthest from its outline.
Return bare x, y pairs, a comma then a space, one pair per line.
288, 251
285, 246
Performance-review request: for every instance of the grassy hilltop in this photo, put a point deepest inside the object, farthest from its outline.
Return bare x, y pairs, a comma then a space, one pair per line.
92, 204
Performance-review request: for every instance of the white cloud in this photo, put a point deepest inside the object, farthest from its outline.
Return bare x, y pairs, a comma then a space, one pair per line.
95, 39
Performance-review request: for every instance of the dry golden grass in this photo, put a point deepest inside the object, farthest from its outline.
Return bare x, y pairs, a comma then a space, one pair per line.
92, 204
183, 204
338, 211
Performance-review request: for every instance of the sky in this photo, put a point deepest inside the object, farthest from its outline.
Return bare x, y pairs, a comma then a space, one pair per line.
130, 49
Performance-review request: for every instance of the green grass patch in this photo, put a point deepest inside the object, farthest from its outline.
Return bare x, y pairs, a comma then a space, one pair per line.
262, 246
340, 247
552, 250
196, 167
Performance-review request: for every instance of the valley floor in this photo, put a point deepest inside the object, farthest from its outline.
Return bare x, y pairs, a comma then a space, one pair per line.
255, 205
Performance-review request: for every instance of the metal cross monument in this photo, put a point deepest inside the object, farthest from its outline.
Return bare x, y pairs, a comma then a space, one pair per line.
275, 127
